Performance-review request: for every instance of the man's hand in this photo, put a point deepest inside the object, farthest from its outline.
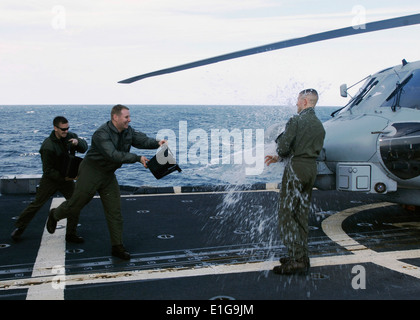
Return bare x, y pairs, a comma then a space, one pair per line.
74, 142
162, 142
144, 160
271, 159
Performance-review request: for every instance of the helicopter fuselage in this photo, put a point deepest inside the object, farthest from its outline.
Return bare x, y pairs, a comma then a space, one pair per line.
373, 144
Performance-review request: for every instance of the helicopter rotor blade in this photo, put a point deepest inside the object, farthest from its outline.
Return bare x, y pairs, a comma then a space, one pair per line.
332, 34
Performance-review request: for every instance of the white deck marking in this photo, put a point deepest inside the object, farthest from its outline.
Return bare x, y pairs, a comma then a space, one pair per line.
171, 273
50, 261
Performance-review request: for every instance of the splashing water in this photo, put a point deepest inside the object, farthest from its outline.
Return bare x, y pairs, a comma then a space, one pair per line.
251, 216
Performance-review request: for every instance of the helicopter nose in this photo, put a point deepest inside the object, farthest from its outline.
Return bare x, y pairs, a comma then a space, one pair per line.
400, 150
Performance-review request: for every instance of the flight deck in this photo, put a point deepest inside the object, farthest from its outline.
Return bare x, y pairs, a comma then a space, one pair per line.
213, 244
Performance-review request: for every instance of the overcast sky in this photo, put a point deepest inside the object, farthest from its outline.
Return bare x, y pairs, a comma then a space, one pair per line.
75, 52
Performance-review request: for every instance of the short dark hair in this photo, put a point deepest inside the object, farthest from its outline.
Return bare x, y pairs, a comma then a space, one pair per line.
117, 109
312, 95
59, 119
309, 91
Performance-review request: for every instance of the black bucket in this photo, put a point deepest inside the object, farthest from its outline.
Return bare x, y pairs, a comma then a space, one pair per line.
163, 163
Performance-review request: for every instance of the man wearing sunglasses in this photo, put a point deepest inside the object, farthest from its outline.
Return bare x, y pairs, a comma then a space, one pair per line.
53, 150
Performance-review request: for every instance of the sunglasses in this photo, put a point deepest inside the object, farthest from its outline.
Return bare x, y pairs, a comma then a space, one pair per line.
64, 129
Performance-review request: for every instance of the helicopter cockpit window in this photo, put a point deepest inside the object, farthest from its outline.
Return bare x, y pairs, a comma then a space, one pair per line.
354, 101
406, 93
366, 89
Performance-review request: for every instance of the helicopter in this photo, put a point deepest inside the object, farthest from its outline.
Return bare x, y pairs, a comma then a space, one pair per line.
372, 144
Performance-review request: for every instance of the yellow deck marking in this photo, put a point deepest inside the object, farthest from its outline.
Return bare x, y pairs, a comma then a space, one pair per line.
332, 227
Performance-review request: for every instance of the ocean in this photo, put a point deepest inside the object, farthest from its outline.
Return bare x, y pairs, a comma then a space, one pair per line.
213, 145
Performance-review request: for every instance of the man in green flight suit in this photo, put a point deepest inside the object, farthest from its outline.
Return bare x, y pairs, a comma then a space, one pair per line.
53, 150
111, 144
299, 145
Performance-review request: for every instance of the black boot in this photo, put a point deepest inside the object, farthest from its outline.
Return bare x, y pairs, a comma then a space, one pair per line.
51, 222
284, 260
16, 234
292, 266
74, 238
120, 252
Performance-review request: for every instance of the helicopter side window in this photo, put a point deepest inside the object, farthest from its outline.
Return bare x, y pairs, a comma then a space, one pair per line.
406, 94
364, 91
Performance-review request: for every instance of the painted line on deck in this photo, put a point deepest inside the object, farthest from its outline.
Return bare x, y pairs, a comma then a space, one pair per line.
50, 260
270, 187
41, 284
47, 282
332, 227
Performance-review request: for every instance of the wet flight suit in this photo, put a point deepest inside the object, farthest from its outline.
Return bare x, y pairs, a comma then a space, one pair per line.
52, 153
300, 145
109, 150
